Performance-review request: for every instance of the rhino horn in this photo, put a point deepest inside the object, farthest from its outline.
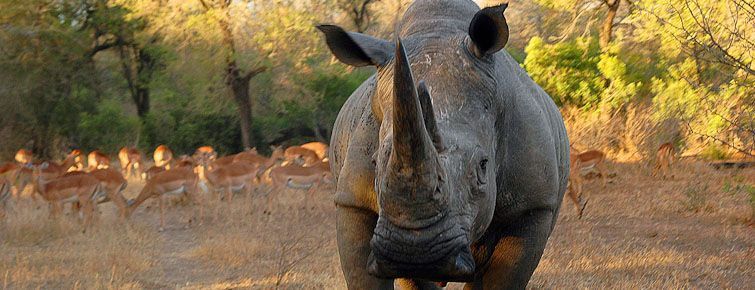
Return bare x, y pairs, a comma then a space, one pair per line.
428, 115
412, 143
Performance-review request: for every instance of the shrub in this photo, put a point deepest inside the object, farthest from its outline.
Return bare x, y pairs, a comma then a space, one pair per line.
108, 129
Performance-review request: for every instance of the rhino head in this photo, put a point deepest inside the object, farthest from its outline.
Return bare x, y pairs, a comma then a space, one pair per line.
435, 177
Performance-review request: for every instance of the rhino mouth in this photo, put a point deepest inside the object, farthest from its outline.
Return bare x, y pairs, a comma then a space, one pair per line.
437, 253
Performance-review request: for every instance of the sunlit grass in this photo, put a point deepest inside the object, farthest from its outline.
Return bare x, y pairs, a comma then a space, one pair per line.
638, 232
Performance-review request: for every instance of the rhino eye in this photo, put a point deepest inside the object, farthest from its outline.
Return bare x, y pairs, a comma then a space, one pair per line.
482, 172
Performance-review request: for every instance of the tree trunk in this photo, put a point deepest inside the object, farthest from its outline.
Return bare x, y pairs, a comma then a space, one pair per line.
141, 99
236, 79
137, 66
606, 30
240, 89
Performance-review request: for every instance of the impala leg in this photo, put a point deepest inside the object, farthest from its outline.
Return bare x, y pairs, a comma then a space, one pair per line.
228, 196
191, 192
311, 193
56, 209
571, 190
20, 191
2, 213
249, 195
88, 209
161, 203
16, 192
120, 202
269, 197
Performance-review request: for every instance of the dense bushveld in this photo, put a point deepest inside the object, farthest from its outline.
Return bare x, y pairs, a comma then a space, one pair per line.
100, 74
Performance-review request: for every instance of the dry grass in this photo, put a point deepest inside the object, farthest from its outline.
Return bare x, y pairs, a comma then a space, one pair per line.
693, 231
38, 252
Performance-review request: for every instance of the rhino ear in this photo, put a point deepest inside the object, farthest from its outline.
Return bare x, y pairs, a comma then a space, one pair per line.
355, 48
489, 31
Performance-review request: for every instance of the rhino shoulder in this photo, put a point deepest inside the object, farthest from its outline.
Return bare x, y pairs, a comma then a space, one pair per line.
535, 146
354, 140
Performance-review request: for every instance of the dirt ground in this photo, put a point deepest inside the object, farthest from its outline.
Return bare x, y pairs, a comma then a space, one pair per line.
694, 231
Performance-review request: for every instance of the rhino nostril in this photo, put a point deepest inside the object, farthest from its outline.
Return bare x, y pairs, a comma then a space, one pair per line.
372, 266
464, 263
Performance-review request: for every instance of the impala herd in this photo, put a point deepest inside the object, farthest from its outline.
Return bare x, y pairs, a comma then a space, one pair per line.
200, 176
302, 167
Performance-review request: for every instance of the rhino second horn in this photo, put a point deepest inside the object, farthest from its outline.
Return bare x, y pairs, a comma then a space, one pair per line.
428, 114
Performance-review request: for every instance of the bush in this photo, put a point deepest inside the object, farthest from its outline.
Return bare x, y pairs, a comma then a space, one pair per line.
302, 118
108, 129
184, 131
577, 73
568, 71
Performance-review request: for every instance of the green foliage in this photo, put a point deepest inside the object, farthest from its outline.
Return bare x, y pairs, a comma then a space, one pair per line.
577, 73
183, 131
70, 70
108, 129
300, 120
714, 152
568, 71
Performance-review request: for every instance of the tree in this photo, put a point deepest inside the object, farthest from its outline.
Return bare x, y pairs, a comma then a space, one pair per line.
710, 86
236, 78
358, 12
606, 29
592, 8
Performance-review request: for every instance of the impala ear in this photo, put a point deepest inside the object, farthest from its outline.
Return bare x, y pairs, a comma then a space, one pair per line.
489, 31
355, 48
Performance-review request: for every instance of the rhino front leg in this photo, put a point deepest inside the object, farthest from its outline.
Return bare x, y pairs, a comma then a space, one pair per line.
517, 253
354, 227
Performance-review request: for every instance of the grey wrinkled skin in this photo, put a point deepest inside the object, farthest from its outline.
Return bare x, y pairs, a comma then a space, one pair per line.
450, 162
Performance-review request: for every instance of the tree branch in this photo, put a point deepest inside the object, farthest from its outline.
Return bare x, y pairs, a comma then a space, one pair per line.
254, 72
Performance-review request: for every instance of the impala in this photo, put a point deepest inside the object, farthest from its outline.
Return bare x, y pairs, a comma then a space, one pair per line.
592, 161
181, 180
112, 184
664, 159
78, 160
149, 173
263, 163
296, 176
18, 177
131, 161
54, 169
225, 160
249, 156
185, 161
5, 193
574, 188
234, 177
163, 156
81, 188
24, 156
297, 154
321, 149
205, 153
97, 160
